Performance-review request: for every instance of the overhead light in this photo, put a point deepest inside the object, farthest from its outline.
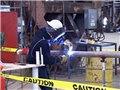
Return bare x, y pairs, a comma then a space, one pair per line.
105, 22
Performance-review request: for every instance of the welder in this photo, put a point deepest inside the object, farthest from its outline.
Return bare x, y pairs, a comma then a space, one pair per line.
52, 31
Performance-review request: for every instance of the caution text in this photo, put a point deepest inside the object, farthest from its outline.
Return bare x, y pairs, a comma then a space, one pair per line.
80, 87
38, 81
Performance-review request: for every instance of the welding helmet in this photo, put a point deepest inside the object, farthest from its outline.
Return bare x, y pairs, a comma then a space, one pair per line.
55, 29
55, 24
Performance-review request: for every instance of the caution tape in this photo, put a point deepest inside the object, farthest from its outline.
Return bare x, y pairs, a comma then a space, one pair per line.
56, 83
8, 49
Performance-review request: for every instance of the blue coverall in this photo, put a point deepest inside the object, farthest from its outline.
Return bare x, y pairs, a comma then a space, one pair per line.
40, 40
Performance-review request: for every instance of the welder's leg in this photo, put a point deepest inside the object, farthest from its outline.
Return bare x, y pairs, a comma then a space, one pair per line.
43, 73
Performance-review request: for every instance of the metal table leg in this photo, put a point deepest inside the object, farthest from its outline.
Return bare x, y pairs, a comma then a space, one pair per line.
69, 71
115, 60
35, 74
103, 72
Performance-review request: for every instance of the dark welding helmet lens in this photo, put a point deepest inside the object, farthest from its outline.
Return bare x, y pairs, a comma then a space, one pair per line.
59, 33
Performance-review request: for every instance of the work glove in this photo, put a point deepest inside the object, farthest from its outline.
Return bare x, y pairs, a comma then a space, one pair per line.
64, 58
23, 51
68, 43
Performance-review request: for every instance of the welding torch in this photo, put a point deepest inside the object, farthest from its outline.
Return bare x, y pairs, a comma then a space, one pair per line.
69, 44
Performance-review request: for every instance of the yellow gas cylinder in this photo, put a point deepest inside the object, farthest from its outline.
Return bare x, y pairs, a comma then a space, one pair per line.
94, 71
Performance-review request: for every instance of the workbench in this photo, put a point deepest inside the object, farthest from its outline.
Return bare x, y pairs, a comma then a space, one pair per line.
84, 54
100, 46
16, 66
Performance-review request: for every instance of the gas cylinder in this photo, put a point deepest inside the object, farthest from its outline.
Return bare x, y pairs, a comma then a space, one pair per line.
2, 80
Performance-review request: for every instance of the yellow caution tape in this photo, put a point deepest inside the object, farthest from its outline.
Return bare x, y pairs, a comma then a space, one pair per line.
8, 49
57, 83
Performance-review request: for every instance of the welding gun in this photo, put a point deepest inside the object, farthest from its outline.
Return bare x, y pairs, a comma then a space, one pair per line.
69, 44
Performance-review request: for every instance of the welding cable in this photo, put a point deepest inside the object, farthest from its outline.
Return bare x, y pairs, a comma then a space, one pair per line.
99, 36
35, 46
55, 70
10, 71
7, 81
14, 63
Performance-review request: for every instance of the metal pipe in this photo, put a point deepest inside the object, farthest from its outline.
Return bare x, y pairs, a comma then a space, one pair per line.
15, 7
89, 53
21, 19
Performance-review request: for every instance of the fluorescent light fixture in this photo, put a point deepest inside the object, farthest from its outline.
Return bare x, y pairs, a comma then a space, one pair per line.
105, 21
4, 8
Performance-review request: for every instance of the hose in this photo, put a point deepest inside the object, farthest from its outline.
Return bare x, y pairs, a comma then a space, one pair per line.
98, 34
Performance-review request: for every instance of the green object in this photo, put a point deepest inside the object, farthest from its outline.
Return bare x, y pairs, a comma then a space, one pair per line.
3, 38
88, 61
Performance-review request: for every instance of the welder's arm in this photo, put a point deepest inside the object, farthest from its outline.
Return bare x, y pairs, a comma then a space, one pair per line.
63, 42
49, 59
68, 43
56, 59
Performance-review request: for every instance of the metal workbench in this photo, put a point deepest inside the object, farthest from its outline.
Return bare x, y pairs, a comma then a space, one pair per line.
100, 46
12, 66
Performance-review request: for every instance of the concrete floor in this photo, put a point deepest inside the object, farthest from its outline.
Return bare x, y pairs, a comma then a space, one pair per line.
77, 76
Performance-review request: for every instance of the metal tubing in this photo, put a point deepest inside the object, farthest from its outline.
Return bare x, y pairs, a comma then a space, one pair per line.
35, 75
21, 18
88, 53
103, 71
116, 60
91, 54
